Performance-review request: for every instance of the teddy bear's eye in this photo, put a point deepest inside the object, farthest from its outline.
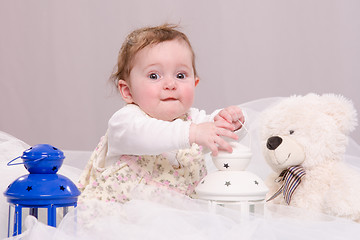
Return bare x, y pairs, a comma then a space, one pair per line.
291, 132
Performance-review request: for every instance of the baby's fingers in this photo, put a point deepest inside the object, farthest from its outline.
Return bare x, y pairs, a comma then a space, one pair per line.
226, 133
223, 145
221, 123
231, 114
226, 115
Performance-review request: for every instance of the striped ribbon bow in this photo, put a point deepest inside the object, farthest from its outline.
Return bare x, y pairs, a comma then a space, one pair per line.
291, 178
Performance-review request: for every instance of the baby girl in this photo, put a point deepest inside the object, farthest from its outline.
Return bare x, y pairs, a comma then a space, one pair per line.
157, 138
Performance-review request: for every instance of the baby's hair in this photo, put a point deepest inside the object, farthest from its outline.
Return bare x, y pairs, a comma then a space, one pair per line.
141, 38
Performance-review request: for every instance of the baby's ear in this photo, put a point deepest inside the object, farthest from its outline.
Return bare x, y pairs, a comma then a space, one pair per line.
197, 81
125, 92
341, 110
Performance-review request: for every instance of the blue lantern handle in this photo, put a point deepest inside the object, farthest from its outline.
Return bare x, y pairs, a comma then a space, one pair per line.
12, 164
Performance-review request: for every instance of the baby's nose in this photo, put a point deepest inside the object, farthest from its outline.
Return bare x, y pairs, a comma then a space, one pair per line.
169, 83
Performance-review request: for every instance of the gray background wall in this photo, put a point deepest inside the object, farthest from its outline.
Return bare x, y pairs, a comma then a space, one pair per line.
56, 57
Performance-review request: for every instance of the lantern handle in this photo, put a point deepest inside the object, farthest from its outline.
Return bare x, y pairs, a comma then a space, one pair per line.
243, 126
12, 164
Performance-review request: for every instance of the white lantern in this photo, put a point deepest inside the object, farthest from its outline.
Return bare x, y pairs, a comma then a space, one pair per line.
231, 185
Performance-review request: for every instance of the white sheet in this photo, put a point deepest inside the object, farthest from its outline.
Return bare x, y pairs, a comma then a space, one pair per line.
171, 216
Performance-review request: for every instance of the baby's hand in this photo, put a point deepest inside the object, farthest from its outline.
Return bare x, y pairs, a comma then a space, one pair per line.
209, 135
229, 117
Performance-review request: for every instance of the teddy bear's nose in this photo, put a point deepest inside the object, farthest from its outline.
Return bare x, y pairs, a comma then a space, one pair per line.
273, 142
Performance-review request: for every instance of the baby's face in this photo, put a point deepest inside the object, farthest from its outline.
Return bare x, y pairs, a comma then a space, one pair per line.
162, 81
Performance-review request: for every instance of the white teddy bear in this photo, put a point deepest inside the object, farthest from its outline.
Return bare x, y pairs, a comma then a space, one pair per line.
304, 140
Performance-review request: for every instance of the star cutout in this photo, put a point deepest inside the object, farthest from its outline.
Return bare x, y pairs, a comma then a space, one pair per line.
226, 165
29, 188
227, 183
62, 188
256, 182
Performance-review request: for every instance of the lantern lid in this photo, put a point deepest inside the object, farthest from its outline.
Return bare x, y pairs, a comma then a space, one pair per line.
237, 160
41, 158
232, 186
43, 151
239, 151
42, 186
42, 189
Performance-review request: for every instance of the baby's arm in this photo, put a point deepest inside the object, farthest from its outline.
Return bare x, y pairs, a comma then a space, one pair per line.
132, 132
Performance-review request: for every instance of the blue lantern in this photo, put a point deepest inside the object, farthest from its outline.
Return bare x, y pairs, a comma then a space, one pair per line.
42, 189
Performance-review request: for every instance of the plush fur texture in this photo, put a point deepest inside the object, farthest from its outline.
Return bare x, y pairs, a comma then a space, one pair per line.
312, 131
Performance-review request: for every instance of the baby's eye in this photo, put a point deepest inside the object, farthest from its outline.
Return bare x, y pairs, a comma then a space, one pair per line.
180, 75
154, 76
291, 132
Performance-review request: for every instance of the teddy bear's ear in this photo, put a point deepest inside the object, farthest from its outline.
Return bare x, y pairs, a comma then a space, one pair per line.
340, 109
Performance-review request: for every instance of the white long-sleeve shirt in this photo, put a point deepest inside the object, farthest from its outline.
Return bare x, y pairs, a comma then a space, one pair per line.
133, 132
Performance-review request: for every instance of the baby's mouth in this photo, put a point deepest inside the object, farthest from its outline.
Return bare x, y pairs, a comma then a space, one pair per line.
169, 99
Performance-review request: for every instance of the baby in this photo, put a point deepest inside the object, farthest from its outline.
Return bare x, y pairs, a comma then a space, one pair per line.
157, 138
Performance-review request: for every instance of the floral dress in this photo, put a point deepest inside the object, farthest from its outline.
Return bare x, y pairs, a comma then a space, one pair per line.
115, 183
